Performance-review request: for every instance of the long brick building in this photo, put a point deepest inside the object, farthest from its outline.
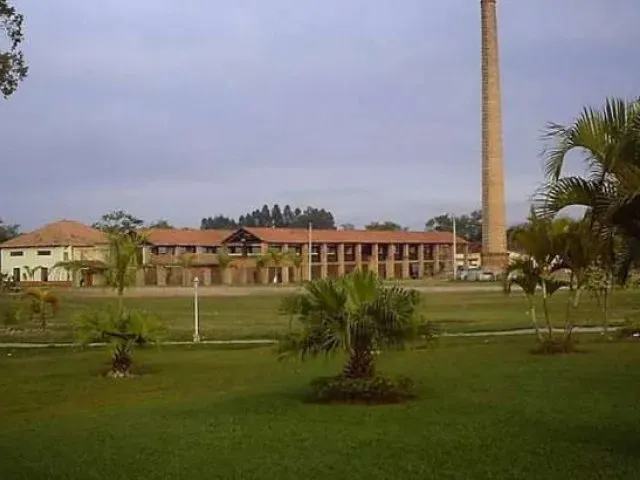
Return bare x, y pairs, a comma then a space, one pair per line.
242, 256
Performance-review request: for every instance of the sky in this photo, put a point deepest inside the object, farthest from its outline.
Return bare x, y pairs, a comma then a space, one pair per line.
369, 108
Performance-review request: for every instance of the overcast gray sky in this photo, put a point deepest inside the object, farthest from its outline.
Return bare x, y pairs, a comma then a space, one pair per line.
370, 108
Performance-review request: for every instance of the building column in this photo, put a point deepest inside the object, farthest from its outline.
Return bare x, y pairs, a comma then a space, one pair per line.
161, 276
206, 277
341, 268
284, 268
358, 248
187, 277
306, 260
373, 261
324, 266
390, 270
465, 255
421, 260
243, 274
436, 259
405, 261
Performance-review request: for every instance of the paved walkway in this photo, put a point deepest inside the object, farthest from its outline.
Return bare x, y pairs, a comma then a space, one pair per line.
269, 341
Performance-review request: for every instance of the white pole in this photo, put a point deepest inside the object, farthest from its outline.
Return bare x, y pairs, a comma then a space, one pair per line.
310, 251
455, 249
196, 312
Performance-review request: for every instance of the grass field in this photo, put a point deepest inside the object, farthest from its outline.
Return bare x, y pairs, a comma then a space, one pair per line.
256, 316
487, 409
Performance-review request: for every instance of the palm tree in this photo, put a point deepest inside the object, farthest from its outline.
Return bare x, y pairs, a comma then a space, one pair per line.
31, 272
41, 304
123, 330
224, 260
524, 273
185, 261
609, 140
120, 267
355, 314
542, 241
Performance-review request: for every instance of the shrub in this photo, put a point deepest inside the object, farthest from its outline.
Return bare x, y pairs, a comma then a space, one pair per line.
371, 390
553, 346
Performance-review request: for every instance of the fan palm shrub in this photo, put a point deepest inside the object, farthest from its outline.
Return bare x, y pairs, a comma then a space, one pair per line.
358, 315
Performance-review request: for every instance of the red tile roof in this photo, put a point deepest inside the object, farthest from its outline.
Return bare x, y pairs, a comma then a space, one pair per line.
186, 237
64, 233
301, 235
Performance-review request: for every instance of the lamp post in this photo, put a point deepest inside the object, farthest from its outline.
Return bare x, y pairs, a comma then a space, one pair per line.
196, 312
310, 250
455, 248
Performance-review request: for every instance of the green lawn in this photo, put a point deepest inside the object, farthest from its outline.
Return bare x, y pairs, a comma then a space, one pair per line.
487, 409
256, 316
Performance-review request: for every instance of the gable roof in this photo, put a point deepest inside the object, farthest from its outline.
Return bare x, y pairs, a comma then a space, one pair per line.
187, 237
64, 233
301, 235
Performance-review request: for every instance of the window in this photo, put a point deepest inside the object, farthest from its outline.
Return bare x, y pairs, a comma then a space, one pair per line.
190, 249
210, 249
44, 253
44, 274
16, 254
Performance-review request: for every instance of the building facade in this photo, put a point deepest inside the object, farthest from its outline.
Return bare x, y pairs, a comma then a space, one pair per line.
174, 257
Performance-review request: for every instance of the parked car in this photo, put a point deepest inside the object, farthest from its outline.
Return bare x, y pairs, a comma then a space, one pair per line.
475, 274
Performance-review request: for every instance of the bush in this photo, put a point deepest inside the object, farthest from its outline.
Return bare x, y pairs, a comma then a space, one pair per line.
373, 390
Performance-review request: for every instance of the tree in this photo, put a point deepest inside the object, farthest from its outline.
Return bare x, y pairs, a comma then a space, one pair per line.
13, 68
8, 231
355, 314
542, 241
387, 226
218, 222
118, 221
277, 217
224, 261
468, 226
123, 330
123, 261
41, 304
161, 224
609, 141
347, 226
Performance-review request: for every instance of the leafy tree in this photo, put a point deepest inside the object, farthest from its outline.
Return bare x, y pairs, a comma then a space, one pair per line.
609, 141
266, 217
118, 221
123, 330
277, 218
387, 225
347, 226
13, 68
355, 314
8, 231
219, 222
468, 226
161, 224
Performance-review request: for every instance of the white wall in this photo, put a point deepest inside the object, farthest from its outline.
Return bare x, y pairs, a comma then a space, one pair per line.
31, 259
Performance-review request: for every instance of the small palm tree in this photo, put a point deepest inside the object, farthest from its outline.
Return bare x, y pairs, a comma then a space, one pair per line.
41, 304
225, 261
31, 272
355, 314
123, 330
119, 269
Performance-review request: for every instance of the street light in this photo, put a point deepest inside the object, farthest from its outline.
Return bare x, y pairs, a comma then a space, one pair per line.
196, 312
455, 249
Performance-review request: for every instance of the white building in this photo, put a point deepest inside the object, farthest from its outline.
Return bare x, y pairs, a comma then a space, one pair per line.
32, 257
